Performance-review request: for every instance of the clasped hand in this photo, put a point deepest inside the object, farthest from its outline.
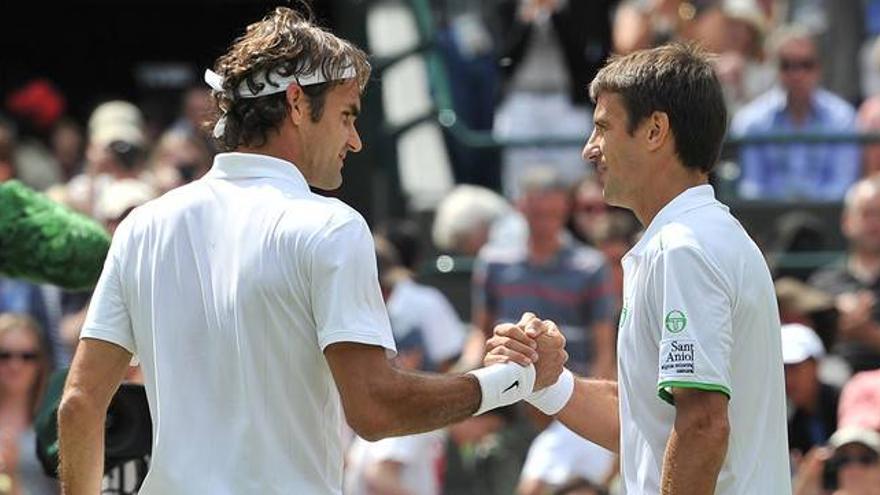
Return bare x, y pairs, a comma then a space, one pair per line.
531, 341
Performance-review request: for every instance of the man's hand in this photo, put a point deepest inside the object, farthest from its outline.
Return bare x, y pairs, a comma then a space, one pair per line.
531, 341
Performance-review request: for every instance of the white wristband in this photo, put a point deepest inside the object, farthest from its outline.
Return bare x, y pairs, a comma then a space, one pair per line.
552, 399
503, 384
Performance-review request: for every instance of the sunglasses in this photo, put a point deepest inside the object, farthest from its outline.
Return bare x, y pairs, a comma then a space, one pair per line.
790, 64
24, 356
864, 459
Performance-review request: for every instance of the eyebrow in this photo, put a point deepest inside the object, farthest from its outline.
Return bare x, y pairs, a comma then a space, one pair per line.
353, 110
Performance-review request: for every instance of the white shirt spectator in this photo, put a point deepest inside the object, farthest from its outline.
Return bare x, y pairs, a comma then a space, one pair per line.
414, 306
418, 455
558, 455
228, 290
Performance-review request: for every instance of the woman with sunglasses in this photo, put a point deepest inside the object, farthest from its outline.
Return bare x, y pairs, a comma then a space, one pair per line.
24, 366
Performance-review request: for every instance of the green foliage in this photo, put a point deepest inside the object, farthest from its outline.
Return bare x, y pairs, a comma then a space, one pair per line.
43, 241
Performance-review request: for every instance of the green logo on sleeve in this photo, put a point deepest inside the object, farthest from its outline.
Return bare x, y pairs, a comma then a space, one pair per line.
676, 321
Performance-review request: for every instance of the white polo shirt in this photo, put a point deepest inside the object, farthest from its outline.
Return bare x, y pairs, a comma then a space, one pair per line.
700, 312
228, 290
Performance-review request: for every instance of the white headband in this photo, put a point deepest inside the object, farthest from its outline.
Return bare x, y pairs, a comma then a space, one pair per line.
279, 84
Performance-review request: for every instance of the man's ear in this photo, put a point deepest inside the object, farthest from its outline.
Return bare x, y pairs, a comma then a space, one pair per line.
298, 102
658, 130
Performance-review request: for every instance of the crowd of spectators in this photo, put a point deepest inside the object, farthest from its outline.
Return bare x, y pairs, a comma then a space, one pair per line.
533, 221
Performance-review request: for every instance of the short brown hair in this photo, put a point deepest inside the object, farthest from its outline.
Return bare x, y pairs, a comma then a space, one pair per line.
287, 43
679, 80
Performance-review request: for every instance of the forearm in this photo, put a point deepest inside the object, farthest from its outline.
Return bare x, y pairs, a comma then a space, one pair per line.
693, 459
593, 412
81, 437
417, 402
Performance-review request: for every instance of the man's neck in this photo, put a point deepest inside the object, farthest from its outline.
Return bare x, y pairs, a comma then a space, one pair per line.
542, 249
865, 266
664, 188
799, 110
281, 147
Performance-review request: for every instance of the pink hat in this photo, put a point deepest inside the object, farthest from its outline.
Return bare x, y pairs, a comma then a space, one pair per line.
860, 401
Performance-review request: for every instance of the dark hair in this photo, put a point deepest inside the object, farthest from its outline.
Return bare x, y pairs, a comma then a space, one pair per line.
406, 236
285, 42
677, 79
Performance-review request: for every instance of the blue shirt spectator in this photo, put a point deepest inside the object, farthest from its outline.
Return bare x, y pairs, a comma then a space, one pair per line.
797, 170
817, 171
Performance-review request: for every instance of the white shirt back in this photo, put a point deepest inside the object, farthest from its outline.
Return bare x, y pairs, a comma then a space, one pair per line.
700, 312
228, 290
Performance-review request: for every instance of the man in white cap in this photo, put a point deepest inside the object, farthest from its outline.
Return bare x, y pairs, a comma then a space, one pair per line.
812, 404
856, 460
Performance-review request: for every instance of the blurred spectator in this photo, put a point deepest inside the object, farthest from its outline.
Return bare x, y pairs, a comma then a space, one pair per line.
119, 198
484, 453
406, 237
579, 486
419, 310
860, 401
7, 149
195, 111
465, 218
23, 297
557, 455
469, 50
614, 235
849, 466
68, 148
116, 150
179, 158
588, 209
806, 305
796, 232
813, 414
552, 50
818, 171
36, 106
550, 275
24, 367
856, 282
869, 121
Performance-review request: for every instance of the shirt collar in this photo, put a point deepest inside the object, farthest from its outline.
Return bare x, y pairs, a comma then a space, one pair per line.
689, 199
233, 166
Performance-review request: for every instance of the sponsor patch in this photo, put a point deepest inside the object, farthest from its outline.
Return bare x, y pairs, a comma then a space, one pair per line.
677, 357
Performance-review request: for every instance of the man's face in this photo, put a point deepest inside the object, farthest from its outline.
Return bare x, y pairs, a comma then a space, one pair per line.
861, 223
545, 211
329, 140
858, 469
615, 152
799, 70
801, 382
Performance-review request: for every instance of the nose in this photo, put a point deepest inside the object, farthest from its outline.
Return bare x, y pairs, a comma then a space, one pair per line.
354, 140
591, 152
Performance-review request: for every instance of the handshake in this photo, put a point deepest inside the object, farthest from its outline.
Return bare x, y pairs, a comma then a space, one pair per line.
525, 361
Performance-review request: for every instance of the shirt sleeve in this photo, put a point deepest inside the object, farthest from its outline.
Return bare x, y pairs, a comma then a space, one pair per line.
347, 303
696, 334
108, 317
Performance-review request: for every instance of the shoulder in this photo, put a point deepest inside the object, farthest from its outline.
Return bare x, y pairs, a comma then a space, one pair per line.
585, 258
838, 110
493, 254
757, 115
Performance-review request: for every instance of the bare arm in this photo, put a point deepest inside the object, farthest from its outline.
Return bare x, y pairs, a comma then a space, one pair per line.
382, 401
593, 412
94, 376
697, 444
